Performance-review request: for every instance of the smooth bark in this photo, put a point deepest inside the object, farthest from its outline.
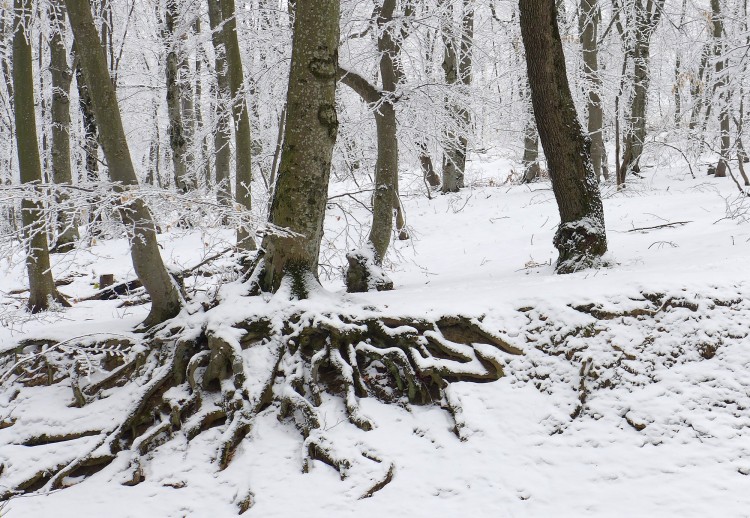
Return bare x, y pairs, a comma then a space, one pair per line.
42, 291
223, 132
67, 231
241, 115
139, 224
301, 190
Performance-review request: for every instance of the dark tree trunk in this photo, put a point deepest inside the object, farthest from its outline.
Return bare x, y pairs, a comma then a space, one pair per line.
147, 261
301, 192
580, 239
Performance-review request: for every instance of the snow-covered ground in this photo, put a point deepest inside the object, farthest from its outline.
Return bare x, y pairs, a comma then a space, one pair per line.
632, 397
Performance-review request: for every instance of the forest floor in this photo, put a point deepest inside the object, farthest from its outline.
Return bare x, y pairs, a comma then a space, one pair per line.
632, 397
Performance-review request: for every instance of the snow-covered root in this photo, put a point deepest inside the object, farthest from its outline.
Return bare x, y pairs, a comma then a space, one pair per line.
180, 382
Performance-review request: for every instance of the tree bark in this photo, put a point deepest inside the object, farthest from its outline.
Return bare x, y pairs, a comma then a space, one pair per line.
721, 87
223, 132
646, 19
42, 291
67, 231
177, 134
242, 137
454, 156
385, 200
580, 239
301, 191
147, 262
589, 17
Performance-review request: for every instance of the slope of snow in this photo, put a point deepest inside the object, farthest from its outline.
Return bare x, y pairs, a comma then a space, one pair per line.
632, 397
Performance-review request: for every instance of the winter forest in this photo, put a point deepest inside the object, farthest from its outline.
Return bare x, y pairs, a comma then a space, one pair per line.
318, 258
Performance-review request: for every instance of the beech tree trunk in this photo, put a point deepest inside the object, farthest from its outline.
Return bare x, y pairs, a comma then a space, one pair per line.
646, 19
721, 88
67, 231
589, 17
177, 135
147, 262
580, 239
364, 265
301, 191
42, 291
457, 68
223, 132
242, 138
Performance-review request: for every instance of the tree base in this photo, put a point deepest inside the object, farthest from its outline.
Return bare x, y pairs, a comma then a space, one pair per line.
581, 244
364, 274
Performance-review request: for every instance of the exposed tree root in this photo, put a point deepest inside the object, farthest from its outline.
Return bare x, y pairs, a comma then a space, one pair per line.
224, 377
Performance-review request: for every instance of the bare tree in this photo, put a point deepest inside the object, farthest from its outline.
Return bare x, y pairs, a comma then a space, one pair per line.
301, 191
165, 297
42, 291
67, 231
580, 239
241, 115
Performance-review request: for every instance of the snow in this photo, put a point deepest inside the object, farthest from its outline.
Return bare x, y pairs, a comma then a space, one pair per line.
662, 429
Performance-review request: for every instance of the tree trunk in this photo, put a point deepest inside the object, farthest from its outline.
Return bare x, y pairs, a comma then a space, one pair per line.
589, 17
42, 289
242, 137
454, 160
530, 161
147, 261
721, 87
90, 132
223, 132
364, 266
67, 231
301, 192
646, 19
177, 136
580, 239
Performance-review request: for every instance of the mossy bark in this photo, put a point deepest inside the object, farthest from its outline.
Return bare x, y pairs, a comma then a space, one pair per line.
139, 224
580, 238
301, 190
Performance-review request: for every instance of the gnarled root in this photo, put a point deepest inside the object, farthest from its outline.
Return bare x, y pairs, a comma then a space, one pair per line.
225, 376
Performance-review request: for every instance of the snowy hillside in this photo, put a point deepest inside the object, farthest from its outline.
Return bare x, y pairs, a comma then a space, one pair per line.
631, 397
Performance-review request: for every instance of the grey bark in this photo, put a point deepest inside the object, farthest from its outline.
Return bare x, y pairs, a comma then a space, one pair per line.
42, 289
139, 224
580, 239
241, 115
646, 19
67, 231
223, 131
589, 17
177, 133
721, 87
457, 68
385, 200
301, 190
530, 161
